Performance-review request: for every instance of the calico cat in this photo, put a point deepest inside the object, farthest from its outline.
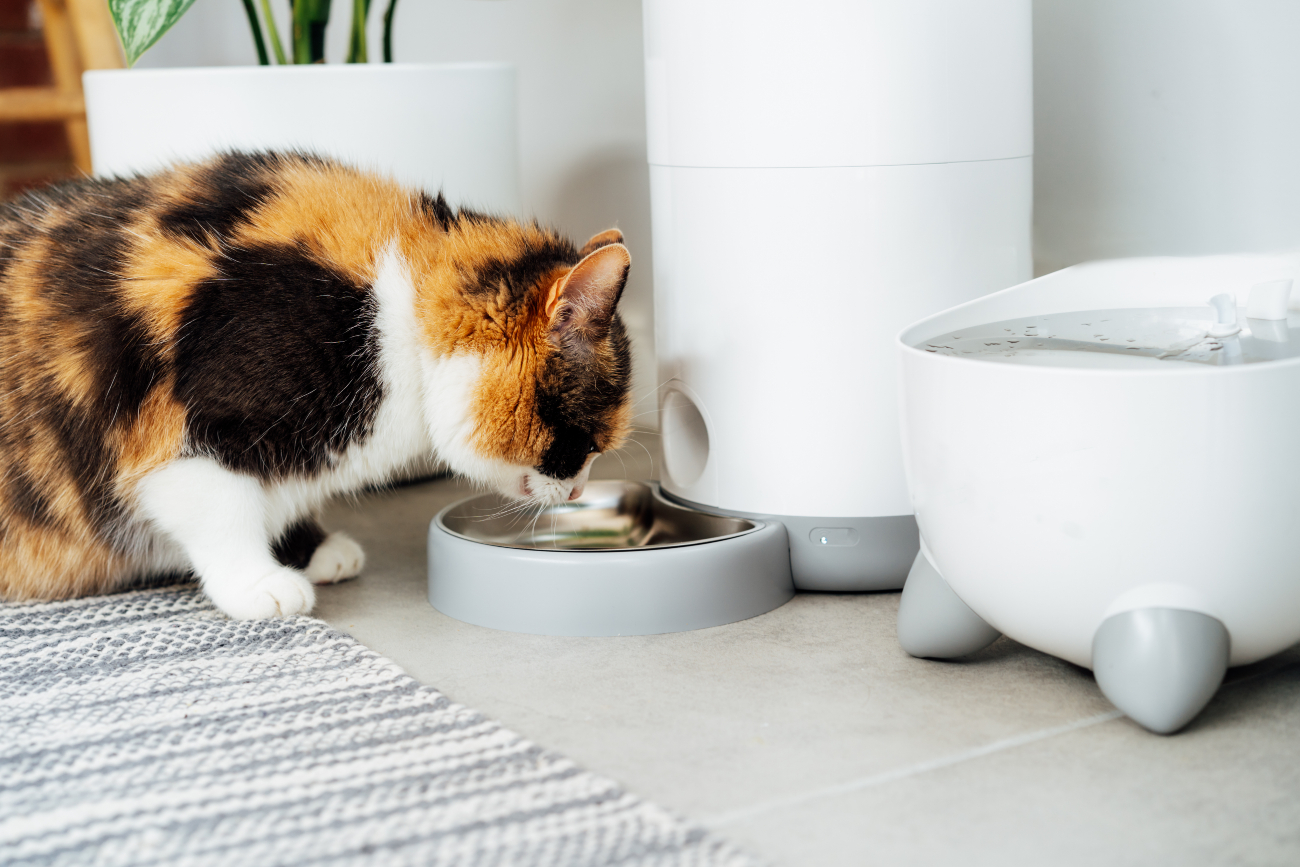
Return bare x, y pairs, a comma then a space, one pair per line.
192, 363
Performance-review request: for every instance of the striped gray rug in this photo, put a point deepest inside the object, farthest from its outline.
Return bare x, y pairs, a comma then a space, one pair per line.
147, 729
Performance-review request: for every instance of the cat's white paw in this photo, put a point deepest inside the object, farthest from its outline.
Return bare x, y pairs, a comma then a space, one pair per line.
338, 558
281, 593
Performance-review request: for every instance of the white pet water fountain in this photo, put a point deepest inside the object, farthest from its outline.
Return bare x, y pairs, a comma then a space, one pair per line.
821, 173
1104, 466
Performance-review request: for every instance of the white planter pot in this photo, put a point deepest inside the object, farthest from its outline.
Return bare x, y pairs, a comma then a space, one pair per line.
436, 126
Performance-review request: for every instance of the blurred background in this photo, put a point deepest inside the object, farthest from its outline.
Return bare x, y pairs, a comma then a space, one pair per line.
31, 154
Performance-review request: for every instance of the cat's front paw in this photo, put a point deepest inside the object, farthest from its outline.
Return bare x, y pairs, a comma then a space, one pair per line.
338, 558
281, 593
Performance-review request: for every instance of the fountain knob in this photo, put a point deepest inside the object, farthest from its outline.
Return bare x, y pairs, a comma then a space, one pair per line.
1225, 311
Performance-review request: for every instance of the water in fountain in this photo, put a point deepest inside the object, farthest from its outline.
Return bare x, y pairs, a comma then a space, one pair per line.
1122, 338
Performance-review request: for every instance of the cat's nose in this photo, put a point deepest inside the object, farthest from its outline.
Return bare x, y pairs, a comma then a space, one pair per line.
576, 492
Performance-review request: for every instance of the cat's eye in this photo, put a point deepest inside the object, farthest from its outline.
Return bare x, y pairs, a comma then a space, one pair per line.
592, 447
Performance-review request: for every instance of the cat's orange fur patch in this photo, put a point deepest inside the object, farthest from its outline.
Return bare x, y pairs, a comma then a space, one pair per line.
57, 566
36, 333
159, 278
448, 323
504, 405
154, 438
343, 215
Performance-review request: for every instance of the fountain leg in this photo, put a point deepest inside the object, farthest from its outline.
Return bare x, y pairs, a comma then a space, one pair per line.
1160, 666
933, 621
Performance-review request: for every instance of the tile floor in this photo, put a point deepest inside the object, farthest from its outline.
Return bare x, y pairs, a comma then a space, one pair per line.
807, 735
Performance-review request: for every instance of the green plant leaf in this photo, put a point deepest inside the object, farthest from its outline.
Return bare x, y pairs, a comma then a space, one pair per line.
388, 31
140, 23
310, 18
273, 33
256, 28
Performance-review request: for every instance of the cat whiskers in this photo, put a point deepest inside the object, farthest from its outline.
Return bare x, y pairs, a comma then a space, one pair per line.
651, 393
512, 507
616, 454
532, 525
638, 415
649, 455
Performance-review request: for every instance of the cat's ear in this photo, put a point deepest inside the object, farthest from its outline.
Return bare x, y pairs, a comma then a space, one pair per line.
582, 302
605, 238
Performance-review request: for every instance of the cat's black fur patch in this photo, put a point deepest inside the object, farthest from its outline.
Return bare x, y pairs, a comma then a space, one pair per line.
572, 395
277, 363
82, 279
435, 208
26, 498
469, 215
87, 458
567, 453
15, 233
231, 191
517, 276
297, 544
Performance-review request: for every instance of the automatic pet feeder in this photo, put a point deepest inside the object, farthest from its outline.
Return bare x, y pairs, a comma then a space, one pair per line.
821, 174
1103, 467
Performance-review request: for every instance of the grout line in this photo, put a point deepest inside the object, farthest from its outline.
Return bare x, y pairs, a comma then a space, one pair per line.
905, 772
942, 762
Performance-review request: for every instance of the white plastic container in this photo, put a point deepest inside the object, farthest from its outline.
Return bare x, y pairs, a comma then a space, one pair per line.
823, 173
1068, 506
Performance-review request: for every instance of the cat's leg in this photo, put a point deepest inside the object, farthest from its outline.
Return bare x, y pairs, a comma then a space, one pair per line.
325, 558
338, 558
299, 542
218, 518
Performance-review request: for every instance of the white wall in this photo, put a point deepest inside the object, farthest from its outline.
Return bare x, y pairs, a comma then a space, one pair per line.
1165, 127
581, 104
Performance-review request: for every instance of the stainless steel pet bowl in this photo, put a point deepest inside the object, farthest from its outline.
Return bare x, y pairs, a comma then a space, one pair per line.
620, 560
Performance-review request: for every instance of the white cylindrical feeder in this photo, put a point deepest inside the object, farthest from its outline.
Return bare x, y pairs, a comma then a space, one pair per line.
823, 173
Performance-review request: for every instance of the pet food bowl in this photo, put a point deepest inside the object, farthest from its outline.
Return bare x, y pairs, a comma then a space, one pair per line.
1104, 466
619, 560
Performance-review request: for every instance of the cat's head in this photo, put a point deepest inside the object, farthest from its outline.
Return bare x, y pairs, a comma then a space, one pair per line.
531, 379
